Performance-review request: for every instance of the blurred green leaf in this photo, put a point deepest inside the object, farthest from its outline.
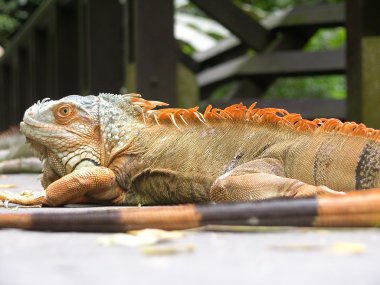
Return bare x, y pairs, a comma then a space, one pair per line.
326, 39
13, 14
333, 87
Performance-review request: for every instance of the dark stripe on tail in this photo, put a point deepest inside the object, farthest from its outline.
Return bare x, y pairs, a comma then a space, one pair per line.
273, 211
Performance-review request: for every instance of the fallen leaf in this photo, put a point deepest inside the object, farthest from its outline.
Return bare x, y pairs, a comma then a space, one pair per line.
27, 193
296, 246
168, 250
160, 234
140, 238
126, 240
348, 248
8, 186
341, 248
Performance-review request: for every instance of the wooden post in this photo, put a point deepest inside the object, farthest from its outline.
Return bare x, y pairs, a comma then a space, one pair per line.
100, 46
41, 64
47, 71
24, 81
363, 61
66, 57
154, 49
14, 101
4, 95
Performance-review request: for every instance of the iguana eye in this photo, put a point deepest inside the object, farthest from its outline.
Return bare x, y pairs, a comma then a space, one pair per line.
64, 111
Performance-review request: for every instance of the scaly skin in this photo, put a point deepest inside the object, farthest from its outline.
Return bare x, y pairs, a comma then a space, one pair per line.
114, 149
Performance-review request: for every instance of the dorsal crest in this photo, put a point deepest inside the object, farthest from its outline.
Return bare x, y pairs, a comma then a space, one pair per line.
180, 118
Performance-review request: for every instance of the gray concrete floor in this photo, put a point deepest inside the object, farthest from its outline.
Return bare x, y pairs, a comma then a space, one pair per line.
287, 256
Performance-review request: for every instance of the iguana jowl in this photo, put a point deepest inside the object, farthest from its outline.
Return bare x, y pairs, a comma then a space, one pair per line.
119, 149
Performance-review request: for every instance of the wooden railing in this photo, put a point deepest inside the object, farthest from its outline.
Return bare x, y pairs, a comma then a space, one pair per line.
67, 47
87, 47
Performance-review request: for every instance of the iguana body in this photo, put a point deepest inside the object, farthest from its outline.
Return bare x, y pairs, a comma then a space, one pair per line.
114, 149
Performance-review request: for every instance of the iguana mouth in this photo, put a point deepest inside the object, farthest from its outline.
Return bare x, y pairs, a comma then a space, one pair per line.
39, 149
32, 123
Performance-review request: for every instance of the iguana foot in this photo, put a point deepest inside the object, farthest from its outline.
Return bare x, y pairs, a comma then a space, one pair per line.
24, 198
87, 185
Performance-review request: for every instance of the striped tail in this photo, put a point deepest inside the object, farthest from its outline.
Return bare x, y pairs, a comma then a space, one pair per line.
356, 209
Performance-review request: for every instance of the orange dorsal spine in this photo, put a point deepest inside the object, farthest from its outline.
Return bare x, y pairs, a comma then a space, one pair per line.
239, 113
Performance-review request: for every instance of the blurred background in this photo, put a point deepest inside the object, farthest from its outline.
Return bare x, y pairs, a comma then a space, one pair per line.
314, 57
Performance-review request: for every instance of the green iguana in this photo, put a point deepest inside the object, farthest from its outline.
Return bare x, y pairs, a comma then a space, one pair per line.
120, 150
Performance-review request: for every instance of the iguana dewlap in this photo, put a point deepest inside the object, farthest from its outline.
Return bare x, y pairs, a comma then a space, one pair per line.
119, 149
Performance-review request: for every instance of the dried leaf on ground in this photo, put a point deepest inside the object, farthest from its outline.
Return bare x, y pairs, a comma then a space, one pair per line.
27, 193
160, 234
8, 186
340, 248
168, 250
297, 246
348, 248
140, 238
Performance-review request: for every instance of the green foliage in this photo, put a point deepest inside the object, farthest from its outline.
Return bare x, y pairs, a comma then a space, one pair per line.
8, 23
332, 87
191, 9
326, 39
260, 8
186, 48
12, 14
15, 12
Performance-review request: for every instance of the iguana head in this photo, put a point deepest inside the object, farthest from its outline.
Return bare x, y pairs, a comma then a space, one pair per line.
78, 131
66, 131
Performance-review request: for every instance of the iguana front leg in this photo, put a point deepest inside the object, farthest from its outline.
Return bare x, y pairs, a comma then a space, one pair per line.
261, 179
90, 184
